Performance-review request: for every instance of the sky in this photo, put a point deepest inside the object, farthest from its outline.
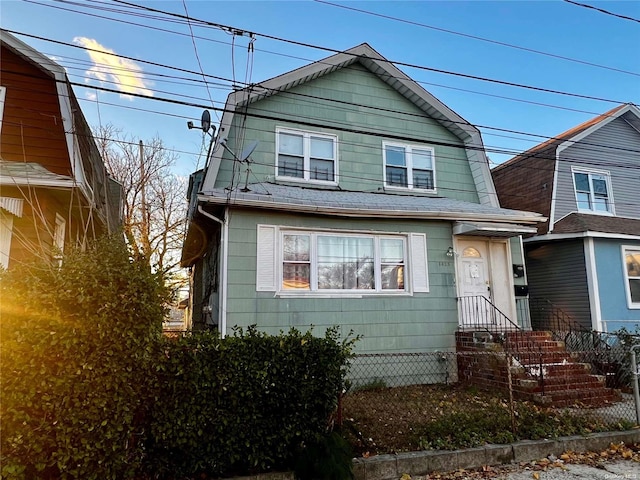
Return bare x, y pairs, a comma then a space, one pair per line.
592, 57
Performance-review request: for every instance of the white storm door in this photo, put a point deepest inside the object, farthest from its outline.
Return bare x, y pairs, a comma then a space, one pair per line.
473, 283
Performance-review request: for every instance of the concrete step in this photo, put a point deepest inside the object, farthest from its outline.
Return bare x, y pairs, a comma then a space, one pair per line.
583, 397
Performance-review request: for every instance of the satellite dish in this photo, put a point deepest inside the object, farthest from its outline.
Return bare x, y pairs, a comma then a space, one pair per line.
206, 121
248, 150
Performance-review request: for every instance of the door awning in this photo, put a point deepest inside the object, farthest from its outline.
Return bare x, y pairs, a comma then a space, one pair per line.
488, 229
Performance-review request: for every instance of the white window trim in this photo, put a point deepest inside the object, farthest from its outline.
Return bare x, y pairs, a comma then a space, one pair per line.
6, 234
270, 267
624, 249
307, 134
591, 171
409, 148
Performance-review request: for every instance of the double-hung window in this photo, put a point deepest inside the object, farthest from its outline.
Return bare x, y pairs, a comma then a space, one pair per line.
593, 192
409, 166
329, 261
306, 156
632, 273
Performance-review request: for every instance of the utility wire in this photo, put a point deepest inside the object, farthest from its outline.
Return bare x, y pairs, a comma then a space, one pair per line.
177, 68
246, 83
195, 49
335, 125
475, 37
404, 64
602, 10
381, 134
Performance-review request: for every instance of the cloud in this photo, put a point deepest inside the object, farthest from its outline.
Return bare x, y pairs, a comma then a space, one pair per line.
91, 96
120, 73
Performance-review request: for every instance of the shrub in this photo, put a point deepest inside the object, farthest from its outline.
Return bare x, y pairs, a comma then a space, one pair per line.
492, 424
246, 403
75, 346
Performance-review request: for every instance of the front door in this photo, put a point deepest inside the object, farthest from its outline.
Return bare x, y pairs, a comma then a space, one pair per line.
474, 286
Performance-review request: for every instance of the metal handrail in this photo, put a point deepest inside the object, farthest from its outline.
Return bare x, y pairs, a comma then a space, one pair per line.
547, 316
479, 313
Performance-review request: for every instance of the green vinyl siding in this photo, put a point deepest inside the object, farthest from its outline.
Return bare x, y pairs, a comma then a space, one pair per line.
418, 323
360, 160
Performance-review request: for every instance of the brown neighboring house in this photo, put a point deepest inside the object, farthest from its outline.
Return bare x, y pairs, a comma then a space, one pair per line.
55, 190
585, 260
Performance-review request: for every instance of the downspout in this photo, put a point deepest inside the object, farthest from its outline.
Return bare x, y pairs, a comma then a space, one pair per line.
224, 238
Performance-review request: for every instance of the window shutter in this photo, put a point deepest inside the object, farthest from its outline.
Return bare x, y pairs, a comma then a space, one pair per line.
266, 259
418, 258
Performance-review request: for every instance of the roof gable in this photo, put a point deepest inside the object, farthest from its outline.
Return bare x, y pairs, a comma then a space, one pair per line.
388, 73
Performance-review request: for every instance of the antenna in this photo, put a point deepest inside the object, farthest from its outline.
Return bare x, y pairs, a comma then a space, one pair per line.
248, 150
205, 121
246, 153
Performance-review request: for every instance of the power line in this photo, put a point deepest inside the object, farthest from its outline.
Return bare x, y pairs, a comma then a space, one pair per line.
602, 10
404, 64
144, 61
193, 72
335, 125
476, 37
195, 49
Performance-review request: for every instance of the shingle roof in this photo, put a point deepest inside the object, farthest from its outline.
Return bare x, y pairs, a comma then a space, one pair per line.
362, 204
29, 173
553, 142
580, 222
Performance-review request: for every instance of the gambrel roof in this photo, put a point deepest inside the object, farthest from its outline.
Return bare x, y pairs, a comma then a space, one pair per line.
628, 111
391, 75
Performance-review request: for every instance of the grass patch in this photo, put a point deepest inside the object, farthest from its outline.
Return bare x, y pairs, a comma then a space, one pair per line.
438, 417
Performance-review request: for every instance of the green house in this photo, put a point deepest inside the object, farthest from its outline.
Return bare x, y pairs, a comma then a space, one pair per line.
365, 203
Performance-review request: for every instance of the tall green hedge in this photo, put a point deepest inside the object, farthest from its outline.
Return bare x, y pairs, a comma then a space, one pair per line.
76, 346
247, 403
90, 389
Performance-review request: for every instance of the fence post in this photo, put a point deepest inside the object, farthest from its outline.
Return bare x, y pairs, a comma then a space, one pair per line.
634, 379
512, 412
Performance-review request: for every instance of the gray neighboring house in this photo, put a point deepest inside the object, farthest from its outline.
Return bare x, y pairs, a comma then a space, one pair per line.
367, 204
584, 262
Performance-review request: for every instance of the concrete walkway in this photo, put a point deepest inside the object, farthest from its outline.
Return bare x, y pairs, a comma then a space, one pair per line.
615, 470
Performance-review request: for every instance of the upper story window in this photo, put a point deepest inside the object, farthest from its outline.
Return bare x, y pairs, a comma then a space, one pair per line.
593, 190
306, 156
409, 166
632, 274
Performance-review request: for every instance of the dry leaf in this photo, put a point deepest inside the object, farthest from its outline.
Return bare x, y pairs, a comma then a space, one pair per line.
536, 475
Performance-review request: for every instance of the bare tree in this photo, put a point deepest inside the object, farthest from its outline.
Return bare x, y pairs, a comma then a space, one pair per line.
154, 197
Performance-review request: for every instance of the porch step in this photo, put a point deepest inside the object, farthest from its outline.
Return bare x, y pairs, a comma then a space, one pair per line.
559, 384
542, 370
584, 397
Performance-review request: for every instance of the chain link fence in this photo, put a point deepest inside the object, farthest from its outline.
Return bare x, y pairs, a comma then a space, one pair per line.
595, 380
